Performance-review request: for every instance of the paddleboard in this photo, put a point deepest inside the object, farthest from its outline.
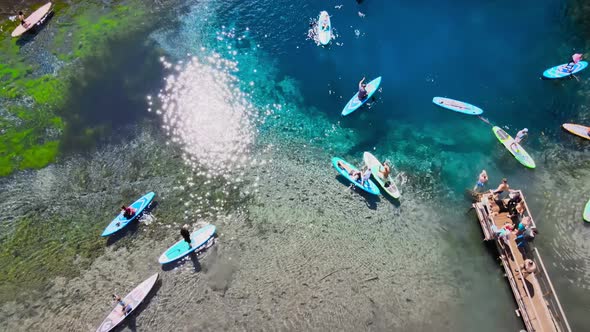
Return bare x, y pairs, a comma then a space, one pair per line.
369, 185
181, 248
32, 20
577, 129
587, 212
375, 165
561, 71
457, 106
134, 299
518, 152
120, 221
354, 103
324, 33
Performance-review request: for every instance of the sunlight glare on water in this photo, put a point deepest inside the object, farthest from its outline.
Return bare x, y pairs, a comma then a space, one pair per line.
204, 111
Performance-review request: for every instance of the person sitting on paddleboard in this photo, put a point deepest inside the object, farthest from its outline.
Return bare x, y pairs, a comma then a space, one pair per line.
362, 90
575, 59
128, 212
186, 235
125, 308
21, 18
385, 170
481, 181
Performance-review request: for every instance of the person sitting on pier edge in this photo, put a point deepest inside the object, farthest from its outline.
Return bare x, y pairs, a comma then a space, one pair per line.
523, 226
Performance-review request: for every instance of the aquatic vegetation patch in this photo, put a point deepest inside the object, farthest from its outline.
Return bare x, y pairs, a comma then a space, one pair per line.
31, 134
54, 249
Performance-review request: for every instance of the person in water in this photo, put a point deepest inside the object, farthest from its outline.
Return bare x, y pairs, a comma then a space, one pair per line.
128, 212
577, 57
21, 18
125, 308
519, 137
363, 94
482, 180
186, 235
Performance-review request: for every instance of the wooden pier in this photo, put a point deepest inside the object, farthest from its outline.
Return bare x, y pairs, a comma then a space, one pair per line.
537, 302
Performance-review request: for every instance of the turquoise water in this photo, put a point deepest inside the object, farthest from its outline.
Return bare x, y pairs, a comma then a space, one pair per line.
233, 118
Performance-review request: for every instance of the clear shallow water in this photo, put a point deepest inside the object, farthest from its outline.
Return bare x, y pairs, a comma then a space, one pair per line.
297, 250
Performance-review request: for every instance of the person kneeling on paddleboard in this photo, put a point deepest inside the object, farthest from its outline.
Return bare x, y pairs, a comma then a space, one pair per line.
575, 59
128, 212
519, 137
125, 308
363, 90
186, 235
384, 173
21, 18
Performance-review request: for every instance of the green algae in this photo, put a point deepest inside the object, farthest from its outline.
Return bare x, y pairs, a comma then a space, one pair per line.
37, 250
81, 32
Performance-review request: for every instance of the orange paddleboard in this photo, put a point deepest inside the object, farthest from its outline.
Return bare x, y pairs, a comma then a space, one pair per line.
577, 129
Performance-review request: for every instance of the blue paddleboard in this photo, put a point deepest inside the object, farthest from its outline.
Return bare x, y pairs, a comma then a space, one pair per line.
457, 106
561, 71
120, 222
354, 103
369, 186
181, 248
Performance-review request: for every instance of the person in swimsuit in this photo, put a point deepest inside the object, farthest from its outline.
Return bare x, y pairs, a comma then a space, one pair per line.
363, 94
483, 178
186, 235
125, 308
21, 18
519, 137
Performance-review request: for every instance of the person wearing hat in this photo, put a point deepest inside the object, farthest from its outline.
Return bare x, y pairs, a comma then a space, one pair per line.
186, 235
519, 137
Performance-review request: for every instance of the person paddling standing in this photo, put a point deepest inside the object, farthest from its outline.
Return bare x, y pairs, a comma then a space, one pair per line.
186, 235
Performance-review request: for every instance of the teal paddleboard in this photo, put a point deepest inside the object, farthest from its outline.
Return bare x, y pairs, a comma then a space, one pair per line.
120, 221
181, 248
587, 212
562, 71
354, 103
369, 186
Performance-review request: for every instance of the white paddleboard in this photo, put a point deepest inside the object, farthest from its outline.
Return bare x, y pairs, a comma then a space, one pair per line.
32, 20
